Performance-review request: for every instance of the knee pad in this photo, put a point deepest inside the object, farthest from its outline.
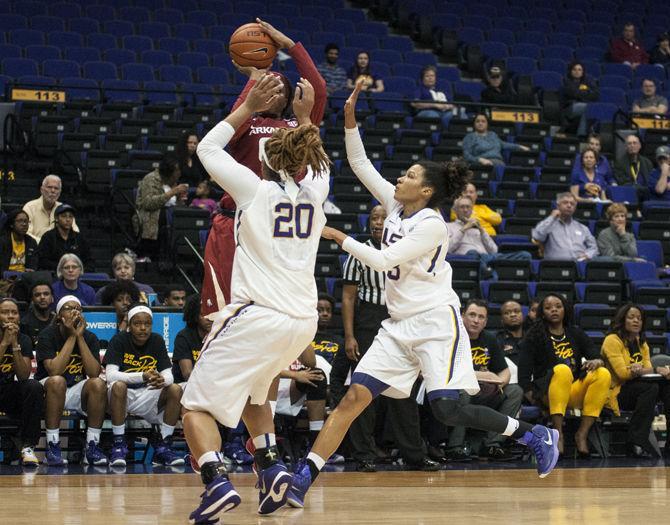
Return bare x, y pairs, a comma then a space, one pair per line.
318, 392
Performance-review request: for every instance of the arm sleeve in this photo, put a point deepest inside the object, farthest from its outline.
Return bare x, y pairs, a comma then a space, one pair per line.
426, 236
113, 374
490, 216
181, 348
612, 351
628, 245
150, 197
605, 245
541, 231
382, 190
308, 70
167, 375
238, 180
455, 233
646, 358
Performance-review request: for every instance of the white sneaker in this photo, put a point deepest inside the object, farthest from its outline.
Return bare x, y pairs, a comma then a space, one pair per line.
28, 457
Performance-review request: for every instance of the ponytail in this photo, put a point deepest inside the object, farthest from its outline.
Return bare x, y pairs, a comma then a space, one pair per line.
294, 149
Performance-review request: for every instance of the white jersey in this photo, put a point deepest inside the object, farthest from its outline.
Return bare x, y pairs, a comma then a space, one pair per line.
277, 230
414, 248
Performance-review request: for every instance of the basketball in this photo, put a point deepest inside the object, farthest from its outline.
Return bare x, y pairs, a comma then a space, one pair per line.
250, 45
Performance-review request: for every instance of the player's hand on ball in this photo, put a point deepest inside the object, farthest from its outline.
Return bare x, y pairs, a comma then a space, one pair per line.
252, 72
282, 40
264, 93
303, 100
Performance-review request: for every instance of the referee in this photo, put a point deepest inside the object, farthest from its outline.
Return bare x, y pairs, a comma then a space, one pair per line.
363, 310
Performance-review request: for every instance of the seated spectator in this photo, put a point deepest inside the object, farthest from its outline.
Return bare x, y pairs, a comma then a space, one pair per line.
361, 70
562, 237
140, 383
587, 183
498, 89
627, 49
21, 398
157, 191
41, 211
40, 311
493, 376
578, 90
438, 106
192, 170
650, 102
68, 273
615, 241
626, 353
61, 240
18, 250
661, 53
487, 217
532, 314
120, 295
174, 296
326, 343
484, 147
659, 181
511, 333
560, 367
123, 268
202, 199
68, 366
633, 168
602, 164
188, 342
468, 237
334, 74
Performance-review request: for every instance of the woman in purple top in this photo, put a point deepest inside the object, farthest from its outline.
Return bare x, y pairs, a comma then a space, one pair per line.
69, 271
587, 182
433, 102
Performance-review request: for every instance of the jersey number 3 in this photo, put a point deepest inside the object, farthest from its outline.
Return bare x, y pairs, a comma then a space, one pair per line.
293, 221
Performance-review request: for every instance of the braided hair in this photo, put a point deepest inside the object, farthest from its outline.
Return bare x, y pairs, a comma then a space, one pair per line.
292, 150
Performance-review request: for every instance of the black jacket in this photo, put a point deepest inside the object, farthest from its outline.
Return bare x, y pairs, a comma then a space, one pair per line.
52, 247
6, 252
504, 95
582, 90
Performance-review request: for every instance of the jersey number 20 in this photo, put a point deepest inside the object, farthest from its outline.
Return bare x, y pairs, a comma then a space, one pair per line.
293, 221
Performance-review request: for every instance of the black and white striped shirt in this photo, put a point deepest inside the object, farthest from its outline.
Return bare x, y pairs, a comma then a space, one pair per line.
370, 282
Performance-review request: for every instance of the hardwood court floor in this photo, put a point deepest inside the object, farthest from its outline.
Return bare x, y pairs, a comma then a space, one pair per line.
636, 496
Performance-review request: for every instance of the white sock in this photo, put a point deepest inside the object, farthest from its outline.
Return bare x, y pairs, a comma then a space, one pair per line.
273, 407
93, 434
265, 441
512, 425
119, 430
318, 461
166, 430
315, 426
53, 435
209, 457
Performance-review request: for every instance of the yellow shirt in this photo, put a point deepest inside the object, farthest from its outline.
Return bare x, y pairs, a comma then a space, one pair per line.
17, 261
486, 217
41, 220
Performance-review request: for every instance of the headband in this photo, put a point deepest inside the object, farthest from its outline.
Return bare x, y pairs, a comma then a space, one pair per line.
66, 299
139, 309
263, 157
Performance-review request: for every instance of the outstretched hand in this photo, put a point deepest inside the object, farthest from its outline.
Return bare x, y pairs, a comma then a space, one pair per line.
252, 72
275, 34
264, 93
350, 106
303, 101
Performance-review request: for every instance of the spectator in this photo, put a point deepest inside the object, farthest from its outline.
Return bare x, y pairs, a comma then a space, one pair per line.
157, 191
438, 106
362, 70
61, 240
633, 168
578, 90
511, 333
498, 89
41, 211
40, 313
588, 184
627, 49
123, 268
120, 295
484, 147
532, 314
174, 295
493, 376
334, 75
140, 383
188, 342
488, 218
21, 398
661, 53
650, 102
202, 199
326, 343
18, 251
68, 366
615, 241
69, 272
561, 367
602, 164
562, 237
626, 353
468, 237
192, 171
659, 181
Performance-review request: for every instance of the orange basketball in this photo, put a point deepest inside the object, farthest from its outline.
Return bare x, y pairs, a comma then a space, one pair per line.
250, 45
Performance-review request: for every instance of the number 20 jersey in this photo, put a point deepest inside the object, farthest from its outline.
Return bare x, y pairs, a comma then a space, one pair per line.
277, 238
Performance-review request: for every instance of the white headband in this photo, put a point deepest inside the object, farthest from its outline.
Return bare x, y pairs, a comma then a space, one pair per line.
66, 299
139, 309
263, 157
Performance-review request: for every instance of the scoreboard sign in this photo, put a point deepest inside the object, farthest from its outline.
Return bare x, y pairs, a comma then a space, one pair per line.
37, 95
528, 116
652, 122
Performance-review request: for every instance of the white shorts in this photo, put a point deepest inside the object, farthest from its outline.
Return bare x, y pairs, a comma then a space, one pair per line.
72, 396
247, 347
284, 405
142, 402
432, 343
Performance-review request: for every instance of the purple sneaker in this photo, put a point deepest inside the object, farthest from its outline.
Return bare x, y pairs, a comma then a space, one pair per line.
235, 451
302, 480
164, 455
219, 496
273, 484
53, 456
93, 455
543, 443
119, 453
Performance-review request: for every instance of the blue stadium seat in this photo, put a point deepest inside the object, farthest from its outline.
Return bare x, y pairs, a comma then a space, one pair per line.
37, 80
173, 46
120, 56
138, 72
82, 54
210, 47
101, 12
65, 10
568, 26
601, 112
100, 70
648, 71
627, 194
313, 25
168, 15
531, 37
610, 68
61, 68
193, 60
65, 39
614, 81
101, 40
589, 53
379, 29
213, 76
473, 90
355, 15
42, 53
159, 92
404, 85
612, 95
420, 57
30, 8
118, 27
157, 58
177, 74
319, 11
221, 33
81, 88
526, 50
201, 18
26, 37
397, 43
47, 23
494, 50
189, 31
562, 39
10, 51
521, 65
482, 22
594, 40
198, 95
122, 91
445, 20
544, 26
137, 43
448, 73
641, 272
326, 37
84, 25
16, 67
223, 61
412, 71
560, 52
134, 14
362, 41
5, 80
509, 23
502, 35
11, 22
154, 30
652, 251
471, 35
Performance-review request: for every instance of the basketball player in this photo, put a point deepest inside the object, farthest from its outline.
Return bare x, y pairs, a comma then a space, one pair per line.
272, 316
425, 333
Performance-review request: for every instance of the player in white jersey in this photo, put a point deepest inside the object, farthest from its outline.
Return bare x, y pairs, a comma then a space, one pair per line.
425, 333
272, 317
